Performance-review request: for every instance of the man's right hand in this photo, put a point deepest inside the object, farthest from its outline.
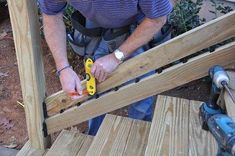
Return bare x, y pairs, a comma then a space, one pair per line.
70, 82
57, 43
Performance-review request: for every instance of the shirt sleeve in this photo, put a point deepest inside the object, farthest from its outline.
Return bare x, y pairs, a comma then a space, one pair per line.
52, 7
155, 8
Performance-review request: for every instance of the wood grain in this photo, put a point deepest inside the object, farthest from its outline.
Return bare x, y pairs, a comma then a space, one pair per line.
24, 21
120, 136
231, 75
70, 143
168, 79
28, 150
188, 43
169, 129
230, 105
201, 142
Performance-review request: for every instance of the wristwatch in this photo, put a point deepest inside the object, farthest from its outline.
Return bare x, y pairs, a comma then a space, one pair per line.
119, 55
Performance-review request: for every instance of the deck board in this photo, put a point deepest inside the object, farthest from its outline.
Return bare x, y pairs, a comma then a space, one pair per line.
201, 142
169, 130
70, 143
120, 136
174, 131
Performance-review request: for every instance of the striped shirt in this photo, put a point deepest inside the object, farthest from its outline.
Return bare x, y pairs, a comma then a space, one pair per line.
111, 13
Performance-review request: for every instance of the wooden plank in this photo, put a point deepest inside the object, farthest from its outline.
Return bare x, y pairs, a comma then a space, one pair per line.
24, 20
28, 150
201, 142
152, 85
86, 145
231, 75
188, 43
70, 143
138, 138
230, 105
169, 129
120, 136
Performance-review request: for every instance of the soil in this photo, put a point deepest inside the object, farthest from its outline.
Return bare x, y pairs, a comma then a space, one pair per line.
13, 130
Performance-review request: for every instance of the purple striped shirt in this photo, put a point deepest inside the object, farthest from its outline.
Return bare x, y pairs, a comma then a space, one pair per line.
111, 13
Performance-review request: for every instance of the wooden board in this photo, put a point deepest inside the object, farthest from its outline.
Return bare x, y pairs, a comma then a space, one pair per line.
70, 143
169, 129
230, 105
168, 79
231, 75
188, 43
28, 150
120, 136
201, 142
25, 26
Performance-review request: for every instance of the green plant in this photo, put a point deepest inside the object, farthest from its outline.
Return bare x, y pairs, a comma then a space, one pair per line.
67, 17
185, 16
219, 8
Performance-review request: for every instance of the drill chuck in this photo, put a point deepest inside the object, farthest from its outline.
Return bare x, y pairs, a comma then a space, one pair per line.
220, 78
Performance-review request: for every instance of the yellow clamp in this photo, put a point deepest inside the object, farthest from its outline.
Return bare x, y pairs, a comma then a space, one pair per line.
90, 84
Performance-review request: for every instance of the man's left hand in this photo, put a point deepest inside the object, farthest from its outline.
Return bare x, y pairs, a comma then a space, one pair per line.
104, 66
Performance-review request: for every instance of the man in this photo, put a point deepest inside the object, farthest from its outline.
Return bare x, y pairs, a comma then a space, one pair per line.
108, 14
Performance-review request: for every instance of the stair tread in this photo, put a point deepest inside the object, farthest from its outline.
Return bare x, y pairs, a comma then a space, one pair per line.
70, 143
120, 136
176, 129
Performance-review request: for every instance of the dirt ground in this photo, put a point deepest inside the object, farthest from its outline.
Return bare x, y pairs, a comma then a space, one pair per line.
13, 130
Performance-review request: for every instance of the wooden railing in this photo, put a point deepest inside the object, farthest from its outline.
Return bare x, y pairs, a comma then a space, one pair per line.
188, 43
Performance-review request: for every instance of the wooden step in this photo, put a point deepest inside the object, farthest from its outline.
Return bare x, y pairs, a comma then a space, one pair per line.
120, 136
70, 143
176, 130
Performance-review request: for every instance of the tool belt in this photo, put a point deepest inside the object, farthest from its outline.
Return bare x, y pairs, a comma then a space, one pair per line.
84, 41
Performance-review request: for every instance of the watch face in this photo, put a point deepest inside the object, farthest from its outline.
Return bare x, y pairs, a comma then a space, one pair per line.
119, 55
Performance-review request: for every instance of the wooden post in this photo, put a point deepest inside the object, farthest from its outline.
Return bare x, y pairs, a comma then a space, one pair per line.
25, 26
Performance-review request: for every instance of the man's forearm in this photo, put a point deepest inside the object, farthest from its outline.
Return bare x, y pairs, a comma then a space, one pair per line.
55, 35
142, 34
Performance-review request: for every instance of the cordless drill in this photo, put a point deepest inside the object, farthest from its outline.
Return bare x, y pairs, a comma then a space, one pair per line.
212, 117
211, 108
222, 128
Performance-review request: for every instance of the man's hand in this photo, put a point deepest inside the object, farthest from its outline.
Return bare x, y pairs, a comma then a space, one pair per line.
70, 82
104, 66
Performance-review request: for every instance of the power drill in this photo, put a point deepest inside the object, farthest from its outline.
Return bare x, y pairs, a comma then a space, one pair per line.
212, 116
222, 128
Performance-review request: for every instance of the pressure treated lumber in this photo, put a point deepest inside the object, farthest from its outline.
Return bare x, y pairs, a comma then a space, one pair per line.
188, 43
175, 130
169, 128
120, 136
24, 21
231, 75
28, 150
201, 142
230, 105
152, 85
70, 143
